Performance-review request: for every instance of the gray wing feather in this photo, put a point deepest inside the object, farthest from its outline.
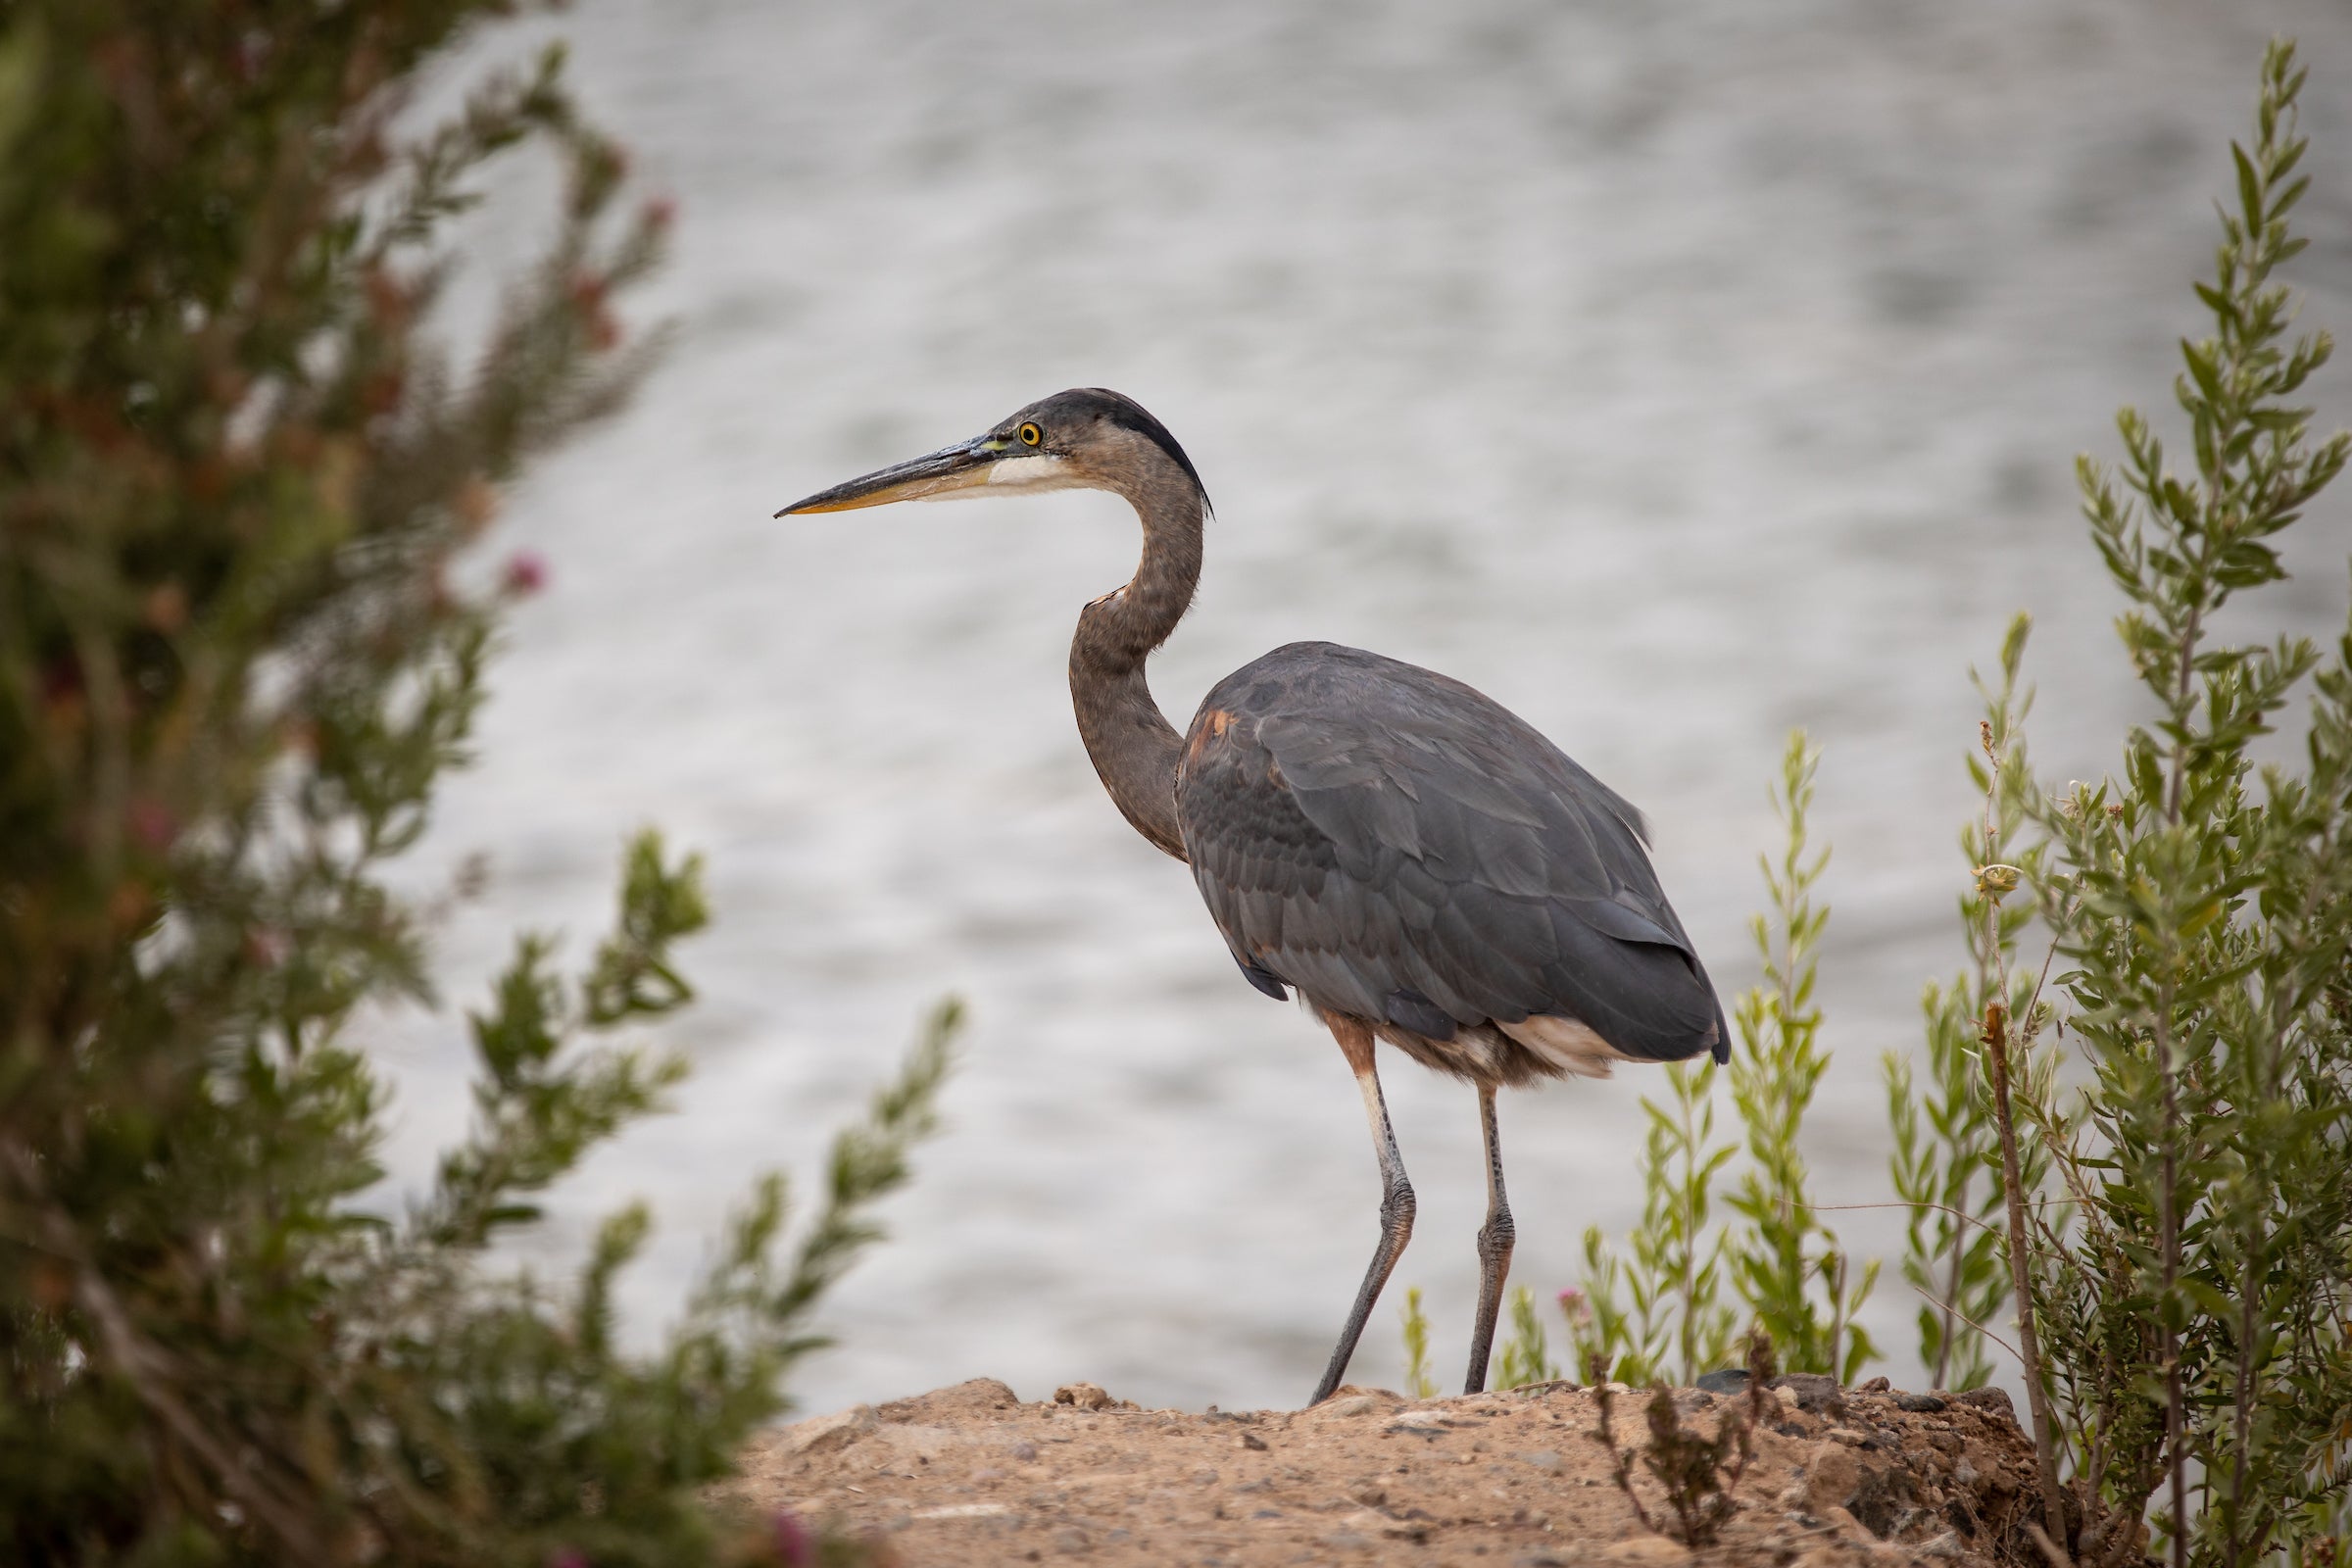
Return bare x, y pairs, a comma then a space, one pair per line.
1358, 825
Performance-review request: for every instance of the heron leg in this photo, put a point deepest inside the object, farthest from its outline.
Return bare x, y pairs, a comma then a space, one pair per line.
1494, 1239
1396, 1201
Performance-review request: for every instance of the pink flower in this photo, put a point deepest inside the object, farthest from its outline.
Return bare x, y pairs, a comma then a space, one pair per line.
1574, 1307
151, 823
792, 1541
526, 574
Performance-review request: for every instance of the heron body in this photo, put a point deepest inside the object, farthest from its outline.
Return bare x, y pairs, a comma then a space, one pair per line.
1418, 863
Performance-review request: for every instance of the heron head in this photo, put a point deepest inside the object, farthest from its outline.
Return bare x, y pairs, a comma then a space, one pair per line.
1084, 439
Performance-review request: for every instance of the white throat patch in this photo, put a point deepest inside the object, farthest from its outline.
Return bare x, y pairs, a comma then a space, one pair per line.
1038, 469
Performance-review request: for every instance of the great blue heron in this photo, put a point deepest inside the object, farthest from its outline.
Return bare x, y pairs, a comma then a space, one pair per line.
1415, 859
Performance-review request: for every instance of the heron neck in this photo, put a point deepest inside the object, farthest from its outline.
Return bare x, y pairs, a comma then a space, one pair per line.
1133, 748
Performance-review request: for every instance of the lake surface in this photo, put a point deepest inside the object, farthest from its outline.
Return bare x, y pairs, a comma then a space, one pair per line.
1678, 375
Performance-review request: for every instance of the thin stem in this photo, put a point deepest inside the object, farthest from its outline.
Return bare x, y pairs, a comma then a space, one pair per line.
2037, 1399
2180, 702
2168, 1245
1951, 1289
1971, 1323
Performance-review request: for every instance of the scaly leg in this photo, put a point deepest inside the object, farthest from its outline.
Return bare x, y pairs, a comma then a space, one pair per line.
1493, 1249
1396, 1203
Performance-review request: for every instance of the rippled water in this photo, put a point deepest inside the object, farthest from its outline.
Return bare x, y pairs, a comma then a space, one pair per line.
1676, 374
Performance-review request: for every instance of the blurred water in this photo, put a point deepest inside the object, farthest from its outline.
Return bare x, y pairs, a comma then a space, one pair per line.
1676, 374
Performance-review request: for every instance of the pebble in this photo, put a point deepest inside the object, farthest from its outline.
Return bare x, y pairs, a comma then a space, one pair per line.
1024, 1449
826, 1432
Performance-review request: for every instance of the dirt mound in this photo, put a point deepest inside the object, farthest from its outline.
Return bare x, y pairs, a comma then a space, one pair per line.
971, 1476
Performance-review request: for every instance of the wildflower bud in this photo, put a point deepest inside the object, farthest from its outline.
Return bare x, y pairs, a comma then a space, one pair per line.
1996, 882
166, 608
152, 823
525, 574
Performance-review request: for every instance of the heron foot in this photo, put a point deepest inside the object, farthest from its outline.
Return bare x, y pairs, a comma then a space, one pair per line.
1396, 1207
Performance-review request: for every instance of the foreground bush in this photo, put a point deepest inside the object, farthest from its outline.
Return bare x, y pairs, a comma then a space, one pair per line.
235, 476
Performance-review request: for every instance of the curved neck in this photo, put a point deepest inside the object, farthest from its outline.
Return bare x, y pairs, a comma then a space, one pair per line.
1133, 746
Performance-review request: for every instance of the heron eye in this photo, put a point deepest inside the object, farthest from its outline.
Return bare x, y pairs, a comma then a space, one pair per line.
1031, 435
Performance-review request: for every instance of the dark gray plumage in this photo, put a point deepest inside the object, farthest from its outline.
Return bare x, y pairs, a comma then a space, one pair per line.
1404, 849
1415, 859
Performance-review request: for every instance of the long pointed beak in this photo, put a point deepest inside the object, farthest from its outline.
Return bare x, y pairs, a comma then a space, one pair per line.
950, 468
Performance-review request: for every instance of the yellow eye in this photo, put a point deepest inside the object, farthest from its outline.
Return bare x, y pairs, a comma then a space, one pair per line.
1031, 435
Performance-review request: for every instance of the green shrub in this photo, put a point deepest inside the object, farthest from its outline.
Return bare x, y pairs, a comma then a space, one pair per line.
1662, 1310
2188, 1274
237, 477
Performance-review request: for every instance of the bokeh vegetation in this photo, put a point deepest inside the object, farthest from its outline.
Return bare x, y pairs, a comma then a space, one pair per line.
240, 474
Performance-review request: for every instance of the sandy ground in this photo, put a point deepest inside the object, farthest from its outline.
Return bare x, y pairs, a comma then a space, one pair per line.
972, 1474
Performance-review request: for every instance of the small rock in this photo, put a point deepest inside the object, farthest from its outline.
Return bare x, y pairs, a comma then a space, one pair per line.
1546, 1461
1085, 1396
1786, 1397
1814, 1391
1353, 1404
1945, 1546
1024, 1449
1371, 1493
1647, 1549
1920, 1404
1251, 1440
1882, 1501
1072, 1539
1995, 1400
1875, 1385
964, 1399
964, 1511
826, 1432
1729, 1380
1538, 1559
1205, 1478
1965, 1473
